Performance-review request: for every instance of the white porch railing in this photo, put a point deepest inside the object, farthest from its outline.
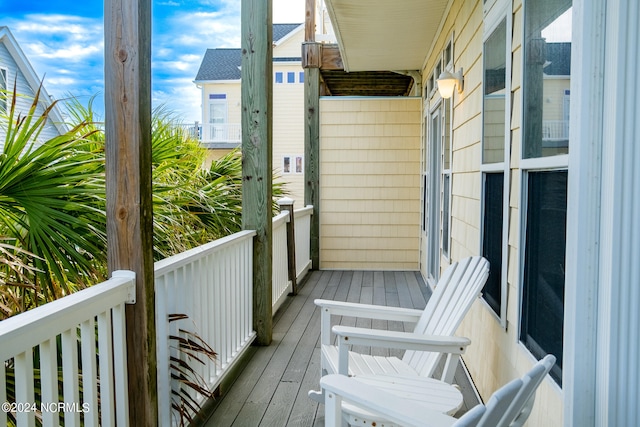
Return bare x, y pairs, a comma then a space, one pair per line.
555, 130
194, 129
281, 285
303, 240
222, 132
85, 329
212, 285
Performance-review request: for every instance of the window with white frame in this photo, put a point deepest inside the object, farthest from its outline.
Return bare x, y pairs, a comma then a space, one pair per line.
544, 164
218, 128
217, 108
279, 77
446, 177
428, 87
437, 172
293, 164
495, 142
301, 76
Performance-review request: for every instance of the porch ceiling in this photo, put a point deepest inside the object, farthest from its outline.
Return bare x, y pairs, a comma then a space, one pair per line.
384, 35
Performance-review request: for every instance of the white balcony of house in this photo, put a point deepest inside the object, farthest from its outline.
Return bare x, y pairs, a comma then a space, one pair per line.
221, 135
555, 130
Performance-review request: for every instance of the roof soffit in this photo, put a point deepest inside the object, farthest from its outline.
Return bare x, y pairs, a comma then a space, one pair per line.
382, 35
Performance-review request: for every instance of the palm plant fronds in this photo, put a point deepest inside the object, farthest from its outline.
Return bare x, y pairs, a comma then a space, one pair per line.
191, 389
51, 200
17, 284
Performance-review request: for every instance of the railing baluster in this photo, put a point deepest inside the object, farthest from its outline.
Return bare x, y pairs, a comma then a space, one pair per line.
89, 371
105, 360
70, 375
3, 394
120, 364
23, 376
49, 380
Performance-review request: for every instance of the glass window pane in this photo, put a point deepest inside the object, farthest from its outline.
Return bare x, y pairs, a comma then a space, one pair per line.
218, 112
446, 184
495, 78
279, 77
301, 78
446, 134
547, 77
544, 269
291, 77
492, 237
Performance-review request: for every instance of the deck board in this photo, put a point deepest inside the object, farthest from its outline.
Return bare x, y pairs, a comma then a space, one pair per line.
272, 387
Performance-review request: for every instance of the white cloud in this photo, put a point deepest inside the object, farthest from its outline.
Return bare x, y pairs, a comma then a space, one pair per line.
180, 96
62, 81
71, 52
288, 11
67, 50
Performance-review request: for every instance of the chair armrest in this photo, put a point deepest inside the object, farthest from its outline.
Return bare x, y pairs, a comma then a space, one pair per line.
349, 336
369, 311
392, 408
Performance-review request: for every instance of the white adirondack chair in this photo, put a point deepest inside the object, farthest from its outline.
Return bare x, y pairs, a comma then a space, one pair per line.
431, 339
509, 406
521, 407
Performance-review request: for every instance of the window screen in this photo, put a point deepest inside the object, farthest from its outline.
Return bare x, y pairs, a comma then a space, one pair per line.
492, 237
544, 271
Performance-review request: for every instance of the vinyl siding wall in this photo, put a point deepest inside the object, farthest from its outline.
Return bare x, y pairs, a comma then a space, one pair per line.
24, 102
288, 129
495, 356
370, 181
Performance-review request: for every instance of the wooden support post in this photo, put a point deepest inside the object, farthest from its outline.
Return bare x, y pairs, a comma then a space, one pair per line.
312, 128
312, 157
257, 123
127, 29
286, 204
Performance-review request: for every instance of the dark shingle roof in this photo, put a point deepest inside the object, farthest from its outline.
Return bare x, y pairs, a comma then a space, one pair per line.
559, 58
281, 30
224, 64
220, 64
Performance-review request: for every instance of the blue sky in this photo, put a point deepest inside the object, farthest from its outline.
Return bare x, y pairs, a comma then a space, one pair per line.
64, 41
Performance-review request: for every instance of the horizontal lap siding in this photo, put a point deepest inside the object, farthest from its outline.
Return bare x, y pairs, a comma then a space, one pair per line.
288, 129
495, 357
24, 102
370, 180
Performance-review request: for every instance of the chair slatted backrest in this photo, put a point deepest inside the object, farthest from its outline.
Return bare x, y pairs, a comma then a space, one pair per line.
452, 298
523, 403
472, 417
499, 402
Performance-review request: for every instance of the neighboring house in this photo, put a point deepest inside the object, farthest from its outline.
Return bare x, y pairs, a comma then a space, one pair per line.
419, 181
219, 80
15, 69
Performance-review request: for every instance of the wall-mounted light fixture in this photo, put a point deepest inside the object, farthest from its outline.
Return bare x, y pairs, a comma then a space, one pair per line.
447, 81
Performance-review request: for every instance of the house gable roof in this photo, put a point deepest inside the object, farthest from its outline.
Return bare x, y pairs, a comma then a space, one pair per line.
558, 57
220, 64
282, 31
24, 66
224, 64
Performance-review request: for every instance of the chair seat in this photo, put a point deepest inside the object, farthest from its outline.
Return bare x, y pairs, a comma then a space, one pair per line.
365, 364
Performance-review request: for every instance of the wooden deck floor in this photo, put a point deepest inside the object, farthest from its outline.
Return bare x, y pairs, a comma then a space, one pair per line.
271, 389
